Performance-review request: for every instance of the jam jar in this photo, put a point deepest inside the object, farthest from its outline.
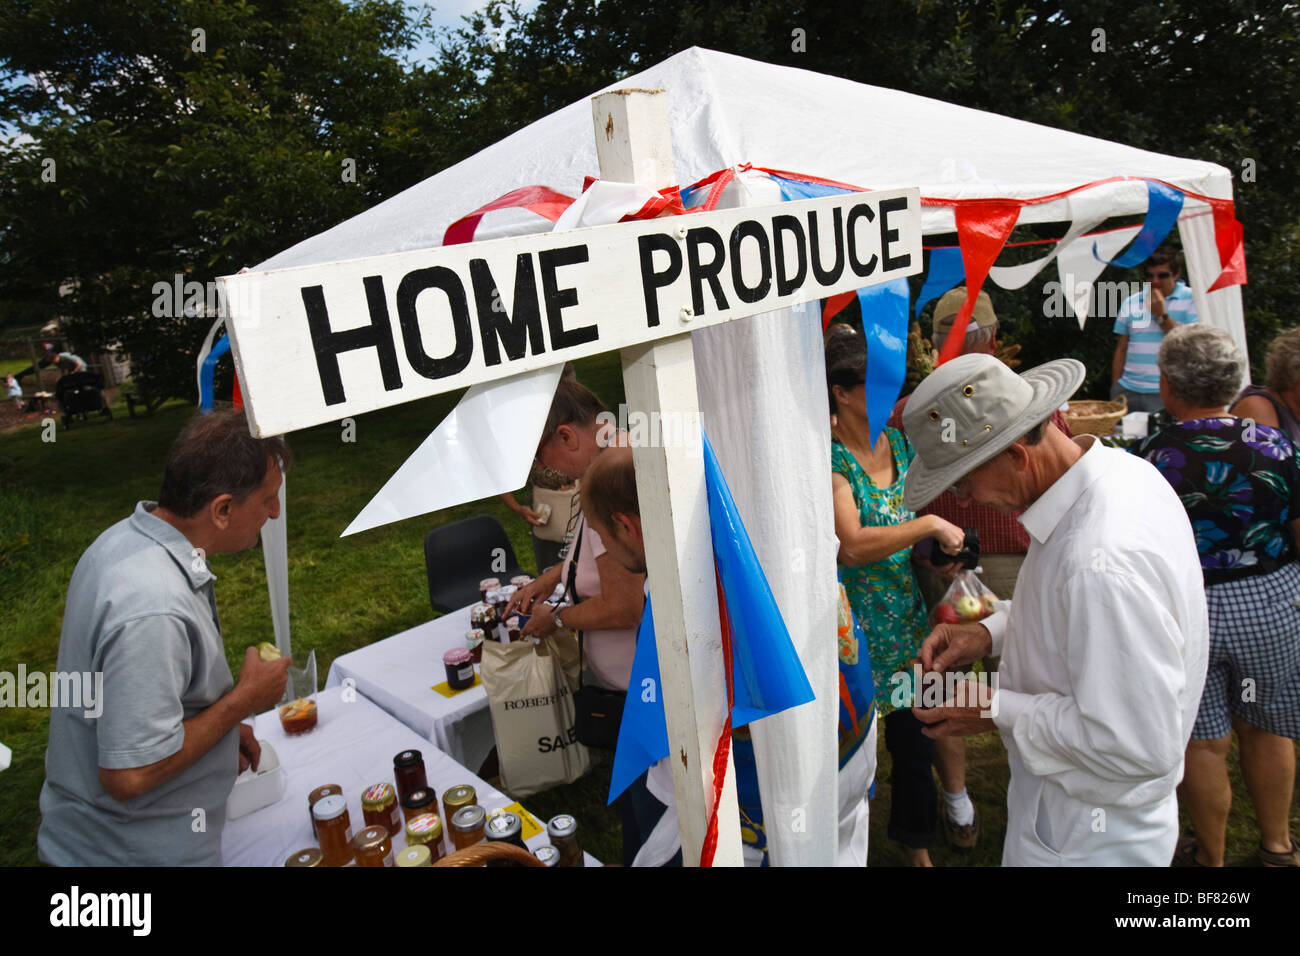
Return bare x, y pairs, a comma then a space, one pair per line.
325, 791
563, 831
379, 806
311, 856
454, 798
486, 585
417, 855
418, 802
408, 772
520, 580
372, 847
467, 826
426, 830
474, 643
504, 827
483, 617
513, 627
459, 664
548, 855
333, 829
299, 716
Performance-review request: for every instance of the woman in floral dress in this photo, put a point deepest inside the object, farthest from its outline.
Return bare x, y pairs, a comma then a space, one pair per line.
1240, 483
876, 535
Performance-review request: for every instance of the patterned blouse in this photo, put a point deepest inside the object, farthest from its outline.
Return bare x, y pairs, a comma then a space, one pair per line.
1240, 484
884, 594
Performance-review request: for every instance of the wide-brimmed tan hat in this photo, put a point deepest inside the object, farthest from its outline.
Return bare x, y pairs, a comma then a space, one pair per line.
971, 408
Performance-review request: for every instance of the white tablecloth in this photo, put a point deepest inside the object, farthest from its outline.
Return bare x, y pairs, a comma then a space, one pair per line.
398, 674
352, 745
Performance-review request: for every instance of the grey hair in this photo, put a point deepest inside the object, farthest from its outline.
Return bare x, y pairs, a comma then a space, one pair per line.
1282, 366
977, 337
1202, 365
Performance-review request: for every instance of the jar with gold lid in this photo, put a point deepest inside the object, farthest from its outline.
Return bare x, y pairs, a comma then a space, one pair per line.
322, 791
372, 847
426, 830
310, 856
379, 806
453, 798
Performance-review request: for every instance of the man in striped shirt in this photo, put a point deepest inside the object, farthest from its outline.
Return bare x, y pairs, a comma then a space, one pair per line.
1141, 324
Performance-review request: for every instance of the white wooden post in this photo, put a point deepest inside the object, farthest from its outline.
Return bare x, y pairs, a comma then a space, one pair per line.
633, 145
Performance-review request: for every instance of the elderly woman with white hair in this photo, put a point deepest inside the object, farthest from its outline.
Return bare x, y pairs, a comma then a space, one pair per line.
1240, 483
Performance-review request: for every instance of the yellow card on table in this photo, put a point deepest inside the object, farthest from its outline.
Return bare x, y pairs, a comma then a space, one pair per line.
445, 689
528, 825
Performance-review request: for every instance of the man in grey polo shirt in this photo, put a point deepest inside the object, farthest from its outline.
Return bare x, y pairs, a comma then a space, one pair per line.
145, 782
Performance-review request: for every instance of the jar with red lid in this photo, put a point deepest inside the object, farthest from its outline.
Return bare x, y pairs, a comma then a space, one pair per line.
379, 807
372, 847
459, 664
426, 830
333, 830
418, 802
408, 773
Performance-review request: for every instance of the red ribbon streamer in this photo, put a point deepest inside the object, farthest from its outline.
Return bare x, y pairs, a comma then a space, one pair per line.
542, 200
1228, 236
236, 397
834, 306
983, 226
722, 753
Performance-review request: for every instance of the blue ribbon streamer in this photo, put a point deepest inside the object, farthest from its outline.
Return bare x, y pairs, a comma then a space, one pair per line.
1163, 206
643, 734
767, 675
946, 270
884, 322
221, 347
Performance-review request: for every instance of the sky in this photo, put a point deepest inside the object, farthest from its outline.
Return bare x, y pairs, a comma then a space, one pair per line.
448, 14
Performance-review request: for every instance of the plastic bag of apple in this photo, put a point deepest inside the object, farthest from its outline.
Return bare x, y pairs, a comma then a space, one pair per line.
967, 600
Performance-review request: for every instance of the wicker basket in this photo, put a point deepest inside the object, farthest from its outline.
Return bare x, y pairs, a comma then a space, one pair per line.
480, 853
1096, 418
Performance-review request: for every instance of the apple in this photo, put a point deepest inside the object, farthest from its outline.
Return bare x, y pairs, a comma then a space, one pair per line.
946, 614
969, 607
268, 651
988, 604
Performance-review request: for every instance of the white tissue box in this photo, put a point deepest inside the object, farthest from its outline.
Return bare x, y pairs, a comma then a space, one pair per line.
253, 791
1135, 424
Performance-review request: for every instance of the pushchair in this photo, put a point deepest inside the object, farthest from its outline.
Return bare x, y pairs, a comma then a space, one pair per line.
78, 394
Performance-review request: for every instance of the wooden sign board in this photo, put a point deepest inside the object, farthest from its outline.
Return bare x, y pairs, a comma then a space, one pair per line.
318, 343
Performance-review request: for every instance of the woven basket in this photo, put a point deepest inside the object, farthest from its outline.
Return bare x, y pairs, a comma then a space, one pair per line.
1096, 418
480, 853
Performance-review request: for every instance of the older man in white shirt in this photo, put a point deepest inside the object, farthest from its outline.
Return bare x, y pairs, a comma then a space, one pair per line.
1104, 647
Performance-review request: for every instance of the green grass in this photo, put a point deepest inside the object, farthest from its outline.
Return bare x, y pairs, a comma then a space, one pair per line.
56, 498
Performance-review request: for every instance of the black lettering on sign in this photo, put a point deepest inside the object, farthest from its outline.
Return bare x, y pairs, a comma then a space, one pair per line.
652, 281
749, 229
412, 284
860, 211
494, 323
832, 275
328, 344
707, 271
558, 299
888, 236
781, 225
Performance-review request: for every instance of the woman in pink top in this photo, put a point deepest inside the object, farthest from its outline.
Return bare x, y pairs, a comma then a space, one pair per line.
608, 598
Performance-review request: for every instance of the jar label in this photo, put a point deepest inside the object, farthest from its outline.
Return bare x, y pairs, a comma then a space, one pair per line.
388, 860
465, 673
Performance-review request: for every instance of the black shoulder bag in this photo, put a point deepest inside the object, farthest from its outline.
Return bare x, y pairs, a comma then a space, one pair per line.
598, 711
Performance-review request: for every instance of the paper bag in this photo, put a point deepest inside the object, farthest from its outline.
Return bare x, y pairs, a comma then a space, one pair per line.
530, 696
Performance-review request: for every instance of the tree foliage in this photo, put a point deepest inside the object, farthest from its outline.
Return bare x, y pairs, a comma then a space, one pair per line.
174, 159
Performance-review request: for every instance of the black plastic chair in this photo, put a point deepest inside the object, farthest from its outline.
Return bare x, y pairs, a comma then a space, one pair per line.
459, 555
